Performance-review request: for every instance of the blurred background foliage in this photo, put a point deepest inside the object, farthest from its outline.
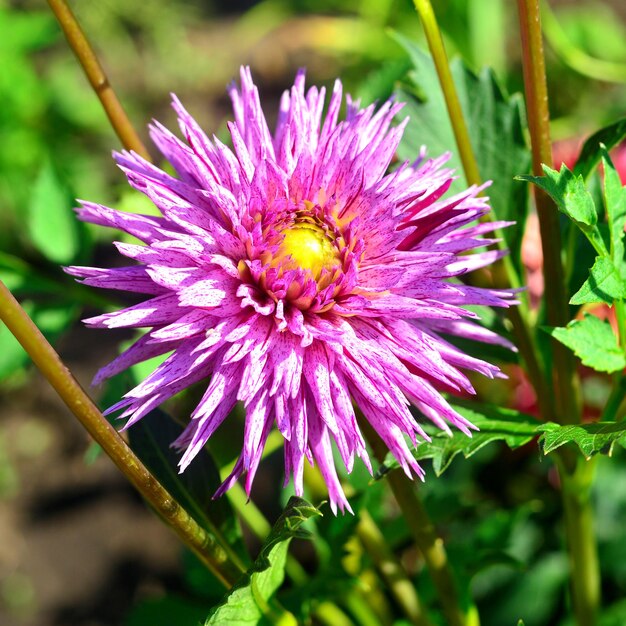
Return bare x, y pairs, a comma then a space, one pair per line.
55, 146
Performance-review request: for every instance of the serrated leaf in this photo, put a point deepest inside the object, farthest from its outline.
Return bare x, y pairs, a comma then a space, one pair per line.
250, 600
51, 223
151, 439
569, 192
603, 285
572, 198
592, 340
494, 423
591, 152
615, 202
495, 124
592, 439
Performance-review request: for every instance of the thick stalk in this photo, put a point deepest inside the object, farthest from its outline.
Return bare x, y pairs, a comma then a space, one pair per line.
97, 78
423, 532
535, 85
583, 556
504, 272
214, 554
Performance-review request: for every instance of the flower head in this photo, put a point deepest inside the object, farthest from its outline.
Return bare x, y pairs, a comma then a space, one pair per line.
294, 275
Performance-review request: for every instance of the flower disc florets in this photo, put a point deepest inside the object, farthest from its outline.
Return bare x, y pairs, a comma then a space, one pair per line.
295, 275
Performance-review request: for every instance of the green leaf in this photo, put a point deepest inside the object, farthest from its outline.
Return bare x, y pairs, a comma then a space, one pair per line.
614, 615
603, 285
495, 424
572, 197
590, 438
593, 342
52, 225
591, 151
151, 439
495, 124
250, 600
615, 202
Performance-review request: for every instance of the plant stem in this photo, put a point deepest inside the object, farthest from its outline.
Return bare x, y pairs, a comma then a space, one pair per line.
423, 532
391, 570
97, 78
535, 85
504, 272
616, 398
455, 113
217, 557
584, 568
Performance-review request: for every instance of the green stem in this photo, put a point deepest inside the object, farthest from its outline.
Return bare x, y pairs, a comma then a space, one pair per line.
535, 85
620, 316
455, 113
584, 568
423, 532
504, 272
97, 78
217, 557
391, 570
615, 400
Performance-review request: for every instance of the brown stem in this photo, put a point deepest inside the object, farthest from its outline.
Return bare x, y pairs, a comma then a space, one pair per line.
221, 561
97, 78
536, 89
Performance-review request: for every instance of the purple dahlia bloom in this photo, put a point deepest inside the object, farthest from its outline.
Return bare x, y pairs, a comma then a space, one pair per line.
295, 275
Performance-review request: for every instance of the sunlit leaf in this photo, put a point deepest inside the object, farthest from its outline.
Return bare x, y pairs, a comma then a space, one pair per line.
595, 438
592, 340
615, 202
603, 285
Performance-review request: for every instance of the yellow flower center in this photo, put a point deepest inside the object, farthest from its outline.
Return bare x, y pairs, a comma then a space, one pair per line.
309, 249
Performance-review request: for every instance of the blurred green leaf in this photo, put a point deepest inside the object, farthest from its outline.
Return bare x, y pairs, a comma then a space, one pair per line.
495, 124
166, 611
250, 600
603, 285
533, 594
591, 151
494, 423
590, 438
331, 581
25, 31
592, 340
151, 440
614, 615
52, 320
52, 225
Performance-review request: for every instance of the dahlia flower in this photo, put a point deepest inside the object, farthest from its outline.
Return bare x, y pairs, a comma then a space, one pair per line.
295, 274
